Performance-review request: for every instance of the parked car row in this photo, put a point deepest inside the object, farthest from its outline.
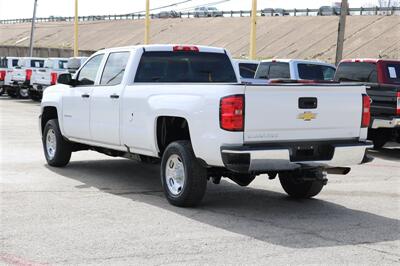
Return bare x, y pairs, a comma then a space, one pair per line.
208, 11
381, 78
28, 77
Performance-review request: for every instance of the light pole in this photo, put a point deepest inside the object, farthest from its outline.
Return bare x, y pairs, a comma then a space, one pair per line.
147, 23
76, 50
32, 29
253, 36
341, 30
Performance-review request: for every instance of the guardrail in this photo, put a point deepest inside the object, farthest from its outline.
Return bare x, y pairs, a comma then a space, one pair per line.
292, 12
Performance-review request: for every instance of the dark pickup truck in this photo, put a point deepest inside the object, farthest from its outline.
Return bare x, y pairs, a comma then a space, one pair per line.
382, 78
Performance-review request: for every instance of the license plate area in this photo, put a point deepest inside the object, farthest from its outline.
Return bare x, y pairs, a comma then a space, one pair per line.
311, 152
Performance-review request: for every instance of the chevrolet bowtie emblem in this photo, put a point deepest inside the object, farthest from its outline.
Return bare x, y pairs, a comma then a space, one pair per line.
307, 116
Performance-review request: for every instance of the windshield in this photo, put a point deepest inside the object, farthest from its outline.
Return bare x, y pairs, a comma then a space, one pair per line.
185, 67
315, 72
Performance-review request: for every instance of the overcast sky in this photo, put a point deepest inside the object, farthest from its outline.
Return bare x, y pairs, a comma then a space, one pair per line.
23, 8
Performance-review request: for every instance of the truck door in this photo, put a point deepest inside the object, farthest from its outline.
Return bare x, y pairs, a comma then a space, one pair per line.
106, 99
76, 102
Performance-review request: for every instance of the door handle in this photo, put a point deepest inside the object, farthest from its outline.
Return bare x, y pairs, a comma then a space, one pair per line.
85, 95
114, 96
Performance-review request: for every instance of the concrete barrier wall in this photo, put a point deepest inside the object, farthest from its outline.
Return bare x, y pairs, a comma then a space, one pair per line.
277, 37
39, 52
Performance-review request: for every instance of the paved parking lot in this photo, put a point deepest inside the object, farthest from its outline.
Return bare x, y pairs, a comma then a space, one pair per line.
106, 211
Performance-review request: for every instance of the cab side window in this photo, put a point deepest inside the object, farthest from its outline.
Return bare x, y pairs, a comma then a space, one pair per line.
114, 69
88, 73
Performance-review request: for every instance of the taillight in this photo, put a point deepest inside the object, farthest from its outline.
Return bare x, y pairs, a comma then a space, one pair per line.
232, 113
28, 74
366, 111
53, 78
398, 104
182, 48
2, 75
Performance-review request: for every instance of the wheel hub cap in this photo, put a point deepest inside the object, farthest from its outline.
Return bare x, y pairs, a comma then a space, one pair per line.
23, 92
51, 143
175, 174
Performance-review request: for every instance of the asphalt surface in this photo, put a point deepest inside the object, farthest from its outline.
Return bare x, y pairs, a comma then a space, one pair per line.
106, 211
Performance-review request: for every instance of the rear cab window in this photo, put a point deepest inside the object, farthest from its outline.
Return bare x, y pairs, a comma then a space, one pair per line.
273, 70
185, 66
37, 63
315, 71
247, 70
357, 72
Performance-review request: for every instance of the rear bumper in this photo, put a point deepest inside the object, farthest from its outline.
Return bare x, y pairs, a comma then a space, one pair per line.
290, 156
19, 83
386, 123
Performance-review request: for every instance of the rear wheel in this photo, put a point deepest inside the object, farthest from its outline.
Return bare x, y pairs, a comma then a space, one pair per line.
379, 137
57, 150
1, 91
378, 143
23, 93
183, 179
305, 184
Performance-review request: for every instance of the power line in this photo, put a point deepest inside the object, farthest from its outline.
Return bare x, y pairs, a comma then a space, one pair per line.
161, 7
203, 5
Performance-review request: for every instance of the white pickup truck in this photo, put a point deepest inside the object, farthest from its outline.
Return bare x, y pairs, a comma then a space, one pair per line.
43, 77
295, 69
21, 76
185, 105
6, 68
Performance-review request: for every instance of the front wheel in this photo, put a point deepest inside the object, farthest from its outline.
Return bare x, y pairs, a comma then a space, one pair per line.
57, 150
306, 184
183, 179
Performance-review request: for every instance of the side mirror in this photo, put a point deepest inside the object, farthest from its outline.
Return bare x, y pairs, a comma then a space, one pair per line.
66, 78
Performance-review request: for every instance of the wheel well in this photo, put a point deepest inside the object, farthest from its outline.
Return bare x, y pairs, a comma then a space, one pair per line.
49, 112
170, 129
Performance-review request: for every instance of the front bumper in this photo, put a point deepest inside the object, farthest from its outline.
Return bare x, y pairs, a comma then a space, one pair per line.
290, 156
386, 123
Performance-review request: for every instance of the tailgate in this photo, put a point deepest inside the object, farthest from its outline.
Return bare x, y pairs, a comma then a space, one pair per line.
19, 74
302, 112
41, 76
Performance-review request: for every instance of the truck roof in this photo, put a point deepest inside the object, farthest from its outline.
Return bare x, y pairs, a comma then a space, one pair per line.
298, 61
246, 61
368, 60
165, 47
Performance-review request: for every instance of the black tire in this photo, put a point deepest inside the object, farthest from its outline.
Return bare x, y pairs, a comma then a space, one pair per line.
379, 142
379, 137
296, 187
62, 150
1, 91
23, 93
11, 94
195, 176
